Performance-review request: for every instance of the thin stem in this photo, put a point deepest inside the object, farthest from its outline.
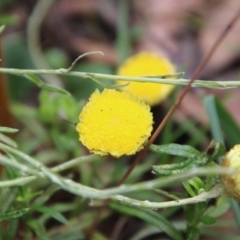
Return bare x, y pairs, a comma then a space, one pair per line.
215, 192
166, 194
123, 45
158, 79
33, 35
89, 192
25, 180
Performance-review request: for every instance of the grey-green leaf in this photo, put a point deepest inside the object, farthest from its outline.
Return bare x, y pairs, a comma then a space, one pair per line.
44, 85
8, 130
7, 140
175, 149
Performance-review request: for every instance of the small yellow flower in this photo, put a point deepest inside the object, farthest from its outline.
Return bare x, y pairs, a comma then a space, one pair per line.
147, 64
231, 183
114, 123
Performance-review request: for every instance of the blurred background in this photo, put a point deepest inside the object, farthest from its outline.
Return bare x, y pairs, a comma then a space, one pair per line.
56, 32
52, 34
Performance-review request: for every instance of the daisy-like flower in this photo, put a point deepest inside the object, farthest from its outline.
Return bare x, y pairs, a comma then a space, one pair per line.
115, 123
231, 183
147, 64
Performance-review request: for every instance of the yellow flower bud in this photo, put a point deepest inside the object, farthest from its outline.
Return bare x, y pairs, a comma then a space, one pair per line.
115, 123
147, 64
231, 183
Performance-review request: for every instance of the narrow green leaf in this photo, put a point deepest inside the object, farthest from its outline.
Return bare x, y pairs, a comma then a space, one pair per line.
51, 212
8, 130
189, 189
197, 159
12, 229
176, 149
7, 140
170, 169
44, 85
29, 195
34, 79
12, 173
150, 217
208, 220
215, 115
210, 181
38, 229
228, 124
209, 103
194, 213
197, 183
104, 85
14, 214
189, 211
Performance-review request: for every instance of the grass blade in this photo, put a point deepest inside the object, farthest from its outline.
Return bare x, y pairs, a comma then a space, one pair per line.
151, 217
216, 114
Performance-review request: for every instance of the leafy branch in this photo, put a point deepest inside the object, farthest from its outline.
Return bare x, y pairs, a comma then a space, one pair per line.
28, 165
98, 77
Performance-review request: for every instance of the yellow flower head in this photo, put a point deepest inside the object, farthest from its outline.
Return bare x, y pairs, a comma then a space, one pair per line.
114, 123
231, 183
147, 64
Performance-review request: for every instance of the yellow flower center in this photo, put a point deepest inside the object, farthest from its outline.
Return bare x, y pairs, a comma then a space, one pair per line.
114, 123
147, 64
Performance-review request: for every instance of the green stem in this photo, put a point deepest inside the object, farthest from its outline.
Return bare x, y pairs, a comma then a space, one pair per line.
85, 191
24, 180
213, 193
123, 45
33, 35
157, 79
